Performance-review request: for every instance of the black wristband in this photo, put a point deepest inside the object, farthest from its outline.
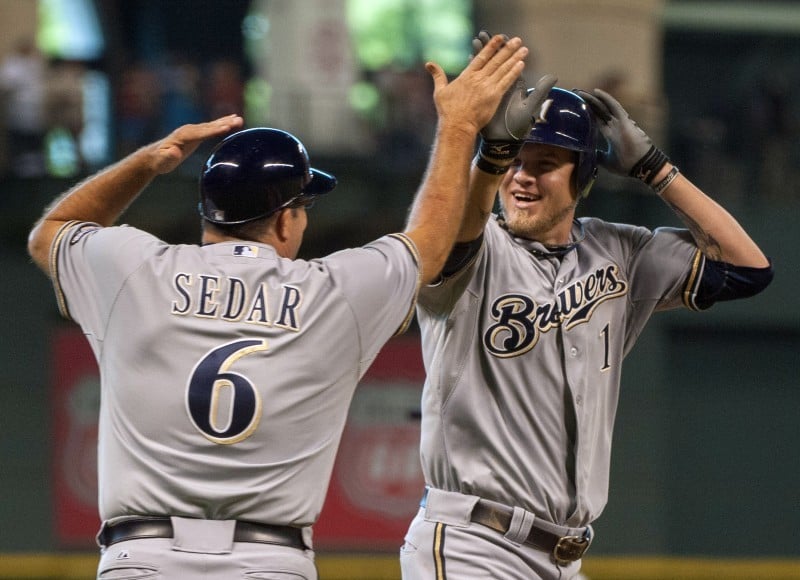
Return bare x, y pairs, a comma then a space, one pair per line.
501, 150
649, 165
488, 167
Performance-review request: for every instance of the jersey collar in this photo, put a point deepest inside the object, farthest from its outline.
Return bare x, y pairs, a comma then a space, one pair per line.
540, 250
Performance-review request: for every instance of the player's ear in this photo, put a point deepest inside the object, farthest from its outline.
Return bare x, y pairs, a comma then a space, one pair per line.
282, 225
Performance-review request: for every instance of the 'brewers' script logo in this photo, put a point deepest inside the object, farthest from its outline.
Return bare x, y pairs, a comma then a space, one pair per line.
520, 320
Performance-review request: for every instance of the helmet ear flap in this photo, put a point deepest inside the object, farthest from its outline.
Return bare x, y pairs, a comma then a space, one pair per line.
585, 173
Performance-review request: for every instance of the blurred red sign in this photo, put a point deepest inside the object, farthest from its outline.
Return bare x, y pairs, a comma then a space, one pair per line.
377, 480
75, 404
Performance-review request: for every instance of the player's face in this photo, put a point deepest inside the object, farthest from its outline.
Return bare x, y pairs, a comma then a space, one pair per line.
537, 194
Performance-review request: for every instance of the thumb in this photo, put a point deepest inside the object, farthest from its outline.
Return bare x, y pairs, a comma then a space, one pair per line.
436, 72
538, 95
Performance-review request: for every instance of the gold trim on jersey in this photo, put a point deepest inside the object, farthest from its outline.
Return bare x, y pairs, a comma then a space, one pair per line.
693, 281
412, 248
55, 248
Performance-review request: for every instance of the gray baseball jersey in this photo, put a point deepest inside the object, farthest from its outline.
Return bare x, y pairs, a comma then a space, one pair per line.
523, 355
226, 370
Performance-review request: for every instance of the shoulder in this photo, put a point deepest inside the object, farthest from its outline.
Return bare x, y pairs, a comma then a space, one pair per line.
601, 228
107, 247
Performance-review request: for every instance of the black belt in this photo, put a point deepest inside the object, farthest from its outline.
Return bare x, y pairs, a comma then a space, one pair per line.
136, 529
563, 548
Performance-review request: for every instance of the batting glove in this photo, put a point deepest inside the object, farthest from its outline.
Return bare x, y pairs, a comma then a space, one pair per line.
630, 151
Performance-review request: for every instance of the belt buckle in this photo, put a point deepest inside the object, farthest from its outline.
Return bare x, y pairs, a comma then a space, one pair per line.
571, 548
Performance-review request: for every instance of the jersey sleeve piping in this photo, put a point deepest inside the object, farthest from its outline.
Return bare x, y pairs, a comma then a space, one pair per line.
692, 285
412, 248
55, 249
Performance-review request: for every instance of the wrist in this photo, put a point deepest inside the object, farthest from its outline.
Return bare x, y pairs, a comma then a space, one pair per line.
492, 166
664, 179
499, 152
649, 166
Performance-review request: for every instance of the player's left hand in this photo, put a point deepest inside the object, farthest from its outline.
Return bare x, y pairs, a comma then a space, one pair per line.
630, 151
471, 99
176, 147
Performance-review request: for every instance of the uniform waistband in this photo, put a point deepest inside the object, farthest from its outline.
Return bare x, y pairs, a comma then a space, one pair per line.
161, 527
564, 544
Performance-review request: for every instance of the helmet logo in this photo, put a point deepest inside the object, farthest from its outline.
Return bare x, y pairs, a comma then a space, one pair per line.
542, 116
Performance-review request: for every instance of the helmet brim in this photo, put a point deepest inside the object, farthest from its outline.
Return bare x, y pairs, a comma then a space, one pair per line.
320, 183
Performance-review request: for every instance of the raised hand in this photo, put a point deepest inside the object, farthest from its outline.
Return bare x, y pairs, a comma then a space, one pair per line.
176, 147
502, 136
631, 152
473, 97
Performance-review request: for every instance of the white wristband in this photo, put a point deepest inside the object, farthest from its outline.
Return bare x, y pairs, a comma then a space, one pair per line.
664, 183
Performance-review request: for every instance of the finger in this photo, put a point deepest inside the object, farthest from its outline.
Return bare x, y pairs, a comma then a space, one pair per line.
598, 107
437, 74
508, 69
477, 46
494, 52
191, 135
539, 93
611, 104
481, 40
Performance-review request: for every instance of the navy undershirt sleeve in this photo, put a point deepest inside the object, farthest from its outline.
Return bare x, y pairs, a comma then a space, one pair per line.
723, 281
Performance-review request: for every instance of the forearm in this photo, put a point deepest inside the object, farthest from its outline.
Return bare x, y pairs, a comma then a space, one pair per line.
717, 233
438, 208
104, 197
101, 198
483, 188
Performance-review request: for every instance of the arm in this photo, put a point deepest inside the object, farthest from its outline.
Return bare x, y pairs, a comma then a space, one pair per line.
717, 234
501, 140
464, 106
103, 197
715, 231
483, 188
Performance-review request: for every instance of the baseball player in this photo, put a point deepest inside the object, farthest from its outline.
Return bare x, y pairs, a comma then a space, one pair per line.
227, 368
524, 335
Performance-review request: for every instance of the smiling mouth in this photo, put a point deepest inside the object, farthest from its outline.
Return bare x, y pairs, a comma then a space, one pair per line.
525, 197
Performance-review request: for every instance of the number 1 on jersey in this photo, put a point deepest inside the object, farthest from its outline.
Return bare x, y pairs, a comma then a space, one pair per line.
604, 334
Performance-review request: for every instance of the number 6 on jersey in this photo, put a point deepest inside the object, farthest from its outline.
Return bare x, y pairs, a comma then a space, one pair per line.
224, 406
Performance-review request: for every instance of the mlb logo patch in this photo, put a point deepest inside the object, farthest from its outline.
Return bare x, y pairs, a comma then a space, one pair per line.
246, 251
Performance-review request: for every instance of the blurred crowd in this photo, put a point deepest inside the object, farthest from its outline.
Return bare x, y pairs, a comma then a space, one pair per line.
47, 105
153, 100
748, 145
40, 98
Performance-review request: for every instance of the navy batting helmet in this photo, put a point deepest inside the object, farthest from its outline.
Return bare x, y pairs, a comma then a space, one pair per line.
254, 173
565, 120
